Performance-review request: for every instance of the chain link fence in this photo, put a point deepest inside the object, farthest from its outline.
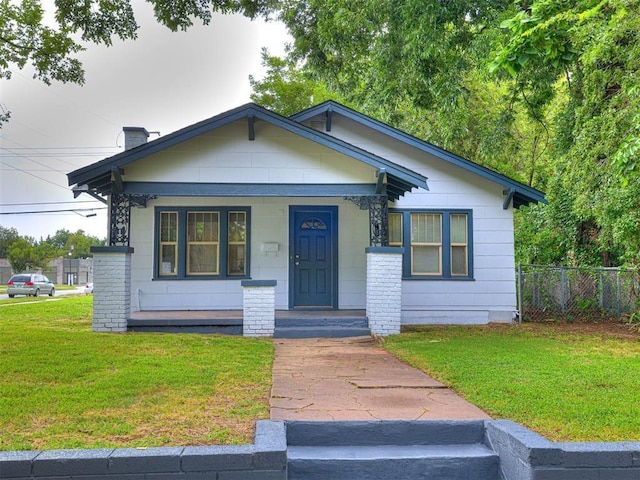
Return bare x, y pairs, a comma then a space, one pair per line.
573, 294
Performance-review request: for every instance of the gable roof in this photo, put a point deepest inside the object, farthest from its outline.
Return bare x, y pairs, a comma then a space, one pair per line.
520, 193
98, 176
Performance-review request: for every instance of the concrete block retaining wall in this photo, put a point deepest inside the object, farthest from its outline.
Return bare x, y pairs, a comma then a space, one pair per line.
524, 455
266, 459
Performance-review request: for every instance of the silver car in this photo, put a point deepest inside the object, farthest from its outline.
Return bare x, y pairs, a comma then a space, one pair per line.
30, 284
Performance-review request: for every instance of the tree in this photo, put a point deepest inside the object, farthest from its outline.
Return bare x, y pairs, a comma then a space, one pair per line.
287, 89
586, 55
545, 91
25, 254
50, 45
78, 243
7, 237
420, 66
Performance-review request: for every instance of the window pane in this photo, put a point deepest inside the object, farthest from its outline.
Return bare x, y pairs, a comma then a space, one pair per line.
425, 260
426, 228
168, 259
458, 260
236, 259
202, 227
237, 243
168, 226
459, 228
202, 243
395, 229
203, 259
237, 227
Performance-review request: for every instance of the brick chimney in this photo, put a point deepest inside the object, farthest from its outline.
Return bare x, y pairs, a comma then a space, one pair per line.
134, 137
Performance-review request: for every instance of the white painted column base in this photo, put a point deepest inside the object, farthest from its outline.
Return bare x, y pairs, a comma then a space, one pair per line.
111, 288
258, 308
384, 289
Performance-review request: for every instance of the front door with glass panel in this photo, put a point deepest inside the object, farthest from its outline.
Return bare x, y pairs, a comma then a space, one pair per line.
313, 257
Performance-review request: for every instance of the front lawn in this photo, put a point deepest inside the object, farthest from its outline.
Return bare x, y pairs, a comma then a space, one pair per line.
64, 386
564, 384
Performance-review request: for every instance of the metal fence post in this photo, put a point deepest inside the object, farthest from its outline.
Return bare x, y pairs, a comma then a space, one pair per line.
563, 280
520, 306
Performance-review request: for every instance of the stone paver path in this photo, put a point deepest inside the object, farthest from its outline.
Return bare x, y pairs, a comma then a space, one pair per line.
356, 379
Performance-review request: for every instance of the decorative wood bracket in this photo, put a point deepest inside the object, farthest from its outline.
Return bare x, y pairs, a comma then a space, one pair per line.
378, 217
116, 175
509, 194
120, 216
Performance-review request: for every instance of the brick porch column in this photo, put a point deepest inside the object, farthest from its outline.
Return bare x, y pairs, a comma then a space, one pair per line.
258, 308
111, 288
384, 289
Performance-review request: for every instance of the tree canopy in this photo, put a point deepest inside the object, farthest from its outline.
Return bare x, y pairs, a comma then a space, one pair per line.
48, 35
545, 91
25, 252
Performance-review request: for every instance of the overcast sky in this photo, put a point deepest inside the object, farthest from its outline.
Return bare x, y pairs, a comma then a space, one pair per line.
162, 81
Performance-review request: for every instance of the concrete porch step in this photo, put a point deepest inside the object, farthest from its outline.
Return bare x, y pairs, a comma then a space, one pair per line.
393, 462
398, 450
320, 332
321, 326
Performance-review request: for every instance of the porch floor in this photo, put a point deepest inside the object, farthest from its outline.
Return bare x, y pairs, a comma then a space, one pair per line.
198, 315
288, 323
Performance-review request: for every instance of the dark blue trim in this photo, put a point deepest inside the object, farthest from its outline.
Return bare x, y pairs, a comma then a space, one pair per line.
385, 250
183, 189
182, 243
258, 283
334, 248
446, 243
113, 249
99, 169
523, 194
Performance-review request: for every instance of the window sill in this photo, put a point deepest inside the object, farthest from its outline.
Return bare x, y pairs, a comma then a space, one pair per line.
440, 279
201, 278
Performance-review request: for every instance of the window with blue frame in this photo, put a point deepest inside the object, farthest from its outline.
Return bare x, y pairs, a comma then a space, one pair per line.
202, 243
437, 243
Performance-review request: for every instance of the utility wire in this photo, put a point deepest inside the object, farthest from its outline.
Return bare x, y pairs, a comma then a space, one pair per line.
45, 203
35, 176
74, 210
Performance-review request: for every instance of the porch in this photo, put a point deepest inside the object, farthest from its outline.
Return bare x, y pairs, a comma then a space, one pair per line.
288, 323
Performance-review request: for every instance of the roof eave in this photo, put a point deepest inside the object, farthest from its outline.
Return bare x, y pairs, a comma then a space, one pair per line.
524, 194
88, 174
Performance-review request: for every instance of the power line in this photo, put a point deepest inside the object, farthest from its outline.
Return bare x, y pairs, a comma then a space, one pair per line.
44, 203
35, 176
73, 210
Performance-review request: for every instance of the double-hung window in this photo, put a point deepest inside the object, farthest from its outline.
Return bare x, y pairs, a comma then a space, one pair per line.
202, 242
437, 244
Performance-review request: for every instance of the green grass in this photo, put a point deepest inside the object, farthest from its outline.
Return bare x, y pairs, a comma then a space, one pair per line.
64, 386
566, 386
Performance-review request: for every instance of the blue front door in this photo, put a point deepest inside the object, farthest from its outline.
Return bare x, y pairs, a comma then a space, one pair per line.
313, 257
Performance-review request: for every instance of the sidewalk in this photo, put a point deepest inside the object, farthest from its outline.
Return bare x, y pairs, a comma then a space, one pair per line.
355, 379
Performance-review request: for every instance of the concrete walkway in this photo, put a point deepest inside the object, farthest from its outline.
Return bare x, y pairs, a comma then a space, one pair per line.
356, 379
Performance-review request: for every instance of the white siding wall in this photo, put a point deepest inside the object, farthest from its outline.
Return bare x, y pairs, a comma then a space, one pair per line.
492, 294
227, 156
277, 156
269, 223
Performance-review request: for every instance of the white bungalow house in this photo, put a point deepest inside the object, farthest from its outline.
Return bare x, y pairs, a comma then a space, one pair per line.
251, 213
